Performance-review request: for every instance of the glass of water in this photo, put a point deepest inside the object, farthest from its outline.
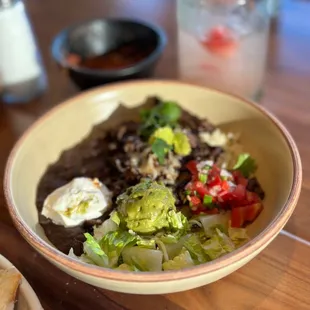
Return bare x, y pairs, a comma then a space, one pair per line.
223, 44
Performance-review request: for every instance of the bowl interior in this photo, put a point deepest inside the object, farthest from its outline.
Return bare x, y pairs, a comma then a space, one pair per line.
101, 36
67, 124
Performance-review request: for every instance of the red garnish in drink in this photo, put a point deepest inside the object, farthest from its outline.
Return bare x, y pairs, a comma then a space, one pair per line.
221, 41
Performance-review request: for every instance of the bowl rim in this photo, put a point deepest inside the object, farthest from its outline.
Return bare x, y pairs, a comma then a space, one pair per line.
138, 66
99, 272
25, 288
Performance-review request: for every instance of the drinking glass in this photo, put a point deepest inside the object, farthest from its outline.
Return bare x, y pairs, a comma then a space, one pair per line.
223, 44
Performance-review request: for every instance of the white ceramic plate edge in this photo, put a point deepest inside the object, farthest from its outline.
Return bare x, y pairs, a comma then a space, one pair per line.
25, 289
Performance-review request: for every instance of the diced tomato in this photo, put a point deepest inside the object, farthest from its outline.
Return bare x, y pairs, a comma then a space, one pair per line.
253, 211
239, 192
252, 197
200, 188
195, 201
245, 205
214, 172
216, 181
241, 215
225, 186
239, 178
225, 196
237, 217
192, 167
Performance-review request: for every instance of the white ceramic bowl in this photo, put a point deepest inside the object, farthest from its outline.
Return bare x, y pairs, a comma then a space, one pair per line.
261, 133
26, 298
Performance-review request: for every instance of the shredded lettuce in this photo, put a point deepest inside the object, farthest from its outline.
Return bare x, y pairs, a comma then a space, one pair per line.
143, 259
115, 218
193, 245
162, 247
218, 245
168, 238
107, 226
94, 252
83, 258
106, 252
184, 260
113, 244
174, 249
238, 235
146, 243
210, 222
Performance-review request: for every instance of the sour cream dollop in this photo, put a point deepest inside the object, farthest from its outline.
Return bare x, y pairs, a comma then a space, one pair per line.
80, 200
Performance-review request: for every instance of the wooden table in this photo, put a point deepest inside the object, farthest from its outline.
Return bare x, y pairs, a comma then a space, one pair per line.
279, 278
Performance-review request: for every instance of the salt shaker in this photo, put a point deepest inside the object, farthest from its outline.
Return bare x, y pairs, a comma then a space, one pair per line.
22, 77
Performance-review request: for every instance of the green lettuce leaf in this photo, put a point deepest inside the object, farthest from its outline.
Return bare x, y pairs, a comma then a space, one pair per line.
143, 259
146, 243
193, 245
106, 252
174, 249
83, 258
115, 218
101, 230
181, 261
168, 238
94, 252
113, 244
218, 245
238, 235
211, 222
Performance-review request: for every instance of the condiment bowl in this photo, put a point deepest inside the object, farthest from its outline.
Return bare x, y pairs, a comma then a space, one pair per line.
279, 172
141, 46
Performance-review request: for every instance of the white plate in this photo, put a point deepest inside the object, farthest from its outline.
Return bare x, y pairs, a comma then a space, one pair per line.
27, 298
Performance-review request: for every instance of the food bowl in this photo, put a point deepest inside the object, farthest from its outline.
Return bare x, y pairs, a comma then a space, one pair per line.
67, 124
132, 49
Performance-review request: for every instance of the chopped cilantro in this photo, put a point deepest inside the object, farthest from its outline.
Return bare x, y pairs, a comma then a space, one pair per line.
163, 114
245, 164
160, 148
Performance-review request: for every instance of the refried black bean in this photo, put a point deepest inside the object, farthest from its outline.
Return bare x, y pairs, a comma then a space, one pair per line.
254, 186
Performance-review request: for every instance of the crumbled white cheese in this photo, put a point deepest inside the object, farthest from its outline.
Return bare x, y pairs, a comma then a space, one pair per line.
226, 174
204, 165
80, 200
215, 138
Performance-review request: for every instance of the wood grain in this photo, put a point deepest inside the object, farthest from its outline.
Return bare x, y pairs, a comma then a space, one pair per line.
279, 277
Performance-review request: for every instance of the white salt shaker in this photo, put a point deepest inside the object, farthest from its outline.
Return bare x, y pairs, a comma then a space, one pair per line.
22, 77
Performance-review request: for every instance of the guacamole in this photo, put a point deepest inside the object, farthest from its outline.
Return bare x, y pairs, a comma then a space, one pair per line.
148, 207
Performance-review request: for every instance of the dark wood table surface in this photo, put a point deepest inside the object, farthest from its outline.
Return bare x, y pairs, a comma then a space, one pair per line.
279, 278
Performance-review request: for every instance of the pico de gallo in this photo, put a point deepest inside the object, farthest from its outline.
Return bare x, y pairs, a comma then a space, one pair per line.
212, 190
